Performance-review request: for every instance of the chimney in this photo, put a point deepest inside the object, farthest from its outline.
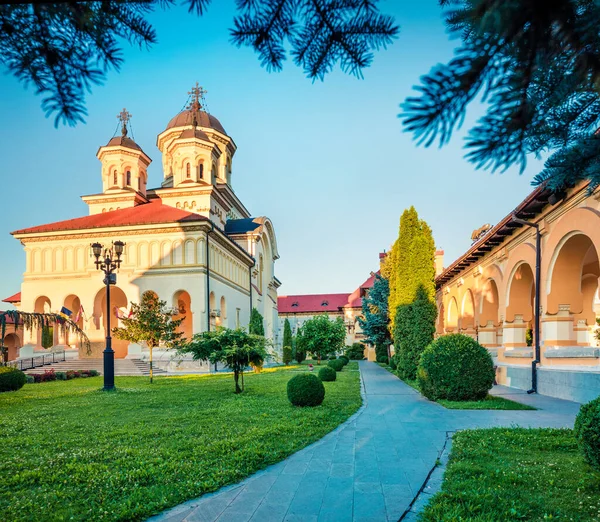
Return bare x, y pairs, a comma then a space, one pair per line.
439, 262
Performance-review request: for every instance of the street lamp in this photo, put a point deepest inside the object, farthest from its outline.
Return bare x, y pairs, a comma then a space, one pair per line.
108, 260
538, 254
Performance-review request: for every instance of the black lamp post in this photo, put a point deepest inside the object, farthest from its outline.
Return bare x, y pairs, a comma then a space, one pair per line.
538, 254
108, 260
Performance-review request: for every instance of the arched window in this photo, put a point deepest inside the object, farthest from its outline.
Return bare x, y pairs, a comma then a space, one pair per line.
128, 174
201, 170
115, 177
213, 174
188, 172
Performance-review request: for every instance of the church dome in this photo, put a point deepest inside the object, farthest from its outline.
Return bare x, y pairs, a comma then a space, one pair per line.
194, 133
205, 120
123, 141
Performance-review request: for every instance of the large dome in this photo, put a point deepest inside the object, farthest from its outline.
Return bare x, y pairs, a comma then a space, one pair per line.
205, 120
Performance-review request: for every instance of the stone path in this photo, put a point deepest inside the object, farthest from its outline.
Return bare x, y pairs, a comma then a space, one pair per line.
368, 469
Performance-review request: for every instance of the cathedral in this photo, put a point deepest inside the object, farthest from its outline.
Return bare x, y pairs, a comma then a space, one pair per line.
191, 241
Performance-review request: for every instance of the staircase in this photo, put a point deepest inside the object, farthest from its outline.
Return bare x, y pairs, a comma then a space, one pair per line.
122, 367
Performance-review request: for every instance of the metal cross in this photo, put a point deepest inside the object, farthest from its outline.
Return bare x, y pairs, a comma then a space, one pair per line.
124, 118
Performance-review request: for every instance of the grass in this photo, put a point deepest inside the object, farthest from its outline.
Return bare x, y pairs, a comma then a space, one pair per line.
491, 402
500, 474
72, 452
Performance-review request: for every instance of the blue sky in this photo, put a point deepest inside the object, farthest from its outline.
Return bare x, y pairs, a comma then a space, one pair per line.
328, 161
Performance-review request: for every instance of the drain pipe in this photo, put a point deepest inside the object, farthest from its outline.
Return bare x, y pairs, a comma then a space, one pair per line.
538, 255
212, 227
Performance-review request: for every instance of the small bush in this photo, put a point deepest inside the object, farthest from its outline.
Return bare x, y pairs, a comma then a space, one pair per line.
61, 376
336, 364
11, 379
305, 389
344, 359
30, 379
49, 375
287, 355
382, 359
356, 352
94, 373
587, 432
327, 374
332, 358
457, 368
393, 363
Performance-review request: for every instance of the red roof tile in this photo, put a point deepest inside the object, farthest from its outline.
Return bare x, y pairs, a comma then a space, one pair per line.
153, 212
13, 298
315, 303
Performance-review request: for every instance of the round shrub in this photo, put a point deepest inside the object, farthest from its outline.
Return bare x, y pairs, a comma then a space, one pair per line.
344, 358
332, 357
337, 365
356, 352
11, 379
305, 389
587, 432
457, 368
327, 374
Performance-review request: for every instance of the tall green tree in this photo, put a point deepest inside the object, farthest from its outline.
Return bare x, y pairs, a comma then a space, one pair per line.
375, 318
151, 322
299, 347
414, 331
322, 337
63, 48
257, 324
287, 333
538, 66
236, 349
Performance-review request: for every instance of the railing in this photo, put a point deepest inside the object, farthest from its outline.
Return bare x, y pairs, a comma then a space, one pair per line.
37, 360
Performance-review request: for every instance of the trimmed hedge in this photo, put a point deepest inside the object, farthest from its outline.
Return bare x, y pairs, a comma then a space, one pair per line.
327, 374
393, 364
11, 379
457, 368
344, 358
382, 359
337, 365
305, 389
587, 432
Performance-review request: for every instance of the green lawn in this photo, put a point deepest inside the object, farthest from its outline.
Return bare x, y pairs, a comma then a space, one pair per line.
501, 474
491, 402
72, 452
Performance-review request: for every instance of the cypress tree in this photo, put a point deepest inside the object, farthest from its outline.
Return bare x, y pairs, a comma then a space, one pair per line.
256, 325
287, 333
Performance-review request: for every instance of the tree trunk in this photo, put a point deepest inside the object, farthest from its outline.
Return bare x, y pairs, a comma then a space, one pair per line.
151, 372
236, 377
242, 380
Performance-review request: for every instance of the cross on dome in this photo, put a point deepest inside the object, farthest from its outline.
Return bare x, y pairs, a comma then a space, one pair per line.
197, 102
124, 117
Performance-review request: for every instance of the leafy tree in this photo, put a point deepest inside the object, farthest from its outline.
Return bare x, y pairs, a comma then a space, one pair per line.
256, 325
299, 347
150, 322
411, 263
537, 64
287, 333
355, 352
322, 337
414, 331
237, 349
375, 319
64, 48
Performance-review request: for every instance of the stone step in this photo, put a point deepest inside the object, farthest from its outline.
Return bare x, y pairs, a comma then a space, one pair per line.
123, 367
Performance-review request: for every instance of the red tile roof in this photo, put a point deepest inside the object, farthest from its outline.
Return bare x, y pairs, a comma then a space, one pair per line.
13, 298
150, 213
289, 304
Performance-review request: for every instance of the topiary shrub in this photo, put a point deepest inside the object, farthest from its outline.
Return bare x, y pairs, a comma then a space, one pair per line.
382, 359
587, 432
30, 379
287, 355
327, 374
393, 363
356, 352
344, 359
332, 358
457, 368
61, 376
11, 379
305, 389
337, 365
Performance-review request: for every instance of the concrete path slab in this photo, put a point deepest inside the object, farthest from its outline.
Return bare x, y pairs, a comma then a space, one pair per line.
371, 467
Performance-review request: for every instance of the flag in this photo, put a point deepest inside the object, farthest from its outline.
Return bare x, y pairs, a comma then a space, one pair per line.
65, 313
130, 313
79, 314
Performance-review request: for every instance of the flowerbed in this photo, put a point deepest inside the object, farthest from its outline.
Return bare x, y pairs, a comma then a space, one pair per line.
52, 375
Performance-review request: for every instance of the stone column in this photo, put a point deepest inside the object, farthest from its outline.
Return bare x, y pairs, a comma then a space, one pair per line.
487, 335
29, 344
557, 330
514, 333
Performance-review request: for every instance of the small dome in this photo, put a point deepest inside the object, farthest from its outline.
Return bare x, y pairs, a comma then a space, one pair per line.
194, 133
123, 141
205, 120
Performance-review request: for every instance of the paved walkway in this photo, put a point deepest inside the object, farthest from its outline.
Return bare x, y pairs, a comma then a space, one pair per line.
368, 469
